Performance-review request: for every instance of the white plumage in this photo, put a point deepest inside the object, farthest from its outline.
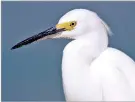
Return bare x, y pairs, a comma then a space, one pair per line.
92, 71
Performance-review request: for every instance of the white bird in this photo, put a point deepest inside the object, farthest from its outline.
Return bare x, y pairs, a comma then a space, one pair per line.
91, 71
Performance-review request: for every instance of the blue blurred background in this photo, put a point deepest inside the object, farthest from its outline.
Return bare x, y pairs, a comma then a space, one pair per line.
33, 72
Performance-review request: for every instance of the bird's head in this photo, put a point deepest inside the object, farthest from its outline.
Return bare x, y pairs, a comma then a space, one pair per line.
74, 24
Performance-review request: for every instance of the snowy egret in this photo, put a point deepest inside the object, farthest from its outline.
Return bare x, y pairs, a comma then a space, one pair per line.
91, 71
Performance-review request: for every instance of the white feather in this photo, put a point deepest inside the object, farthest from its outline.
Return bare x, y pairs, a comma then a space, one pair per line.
91, 71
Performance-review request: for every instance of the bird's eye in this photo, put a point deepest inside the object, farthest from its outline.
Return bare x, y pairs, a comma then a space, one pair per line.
73, 24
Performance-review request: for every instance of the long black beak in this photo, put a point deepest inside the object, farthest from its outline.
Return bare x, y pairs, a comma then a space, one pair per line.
43, 34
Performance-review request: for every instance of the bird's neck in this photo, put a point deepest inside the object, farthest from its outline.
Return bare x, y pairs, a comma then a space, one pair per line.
78, 56
82, 51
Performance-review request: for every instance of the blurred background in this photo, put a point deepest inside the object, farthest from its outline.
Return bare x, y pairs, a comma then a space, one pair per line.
33, 72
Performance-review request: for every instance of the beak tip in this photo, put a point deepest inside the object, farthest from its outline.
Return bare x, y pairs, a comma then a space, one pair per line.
12, 48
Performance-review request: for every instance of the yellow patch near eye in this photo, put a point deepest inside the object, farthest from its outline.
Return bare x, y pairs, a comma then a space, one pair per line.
67, 25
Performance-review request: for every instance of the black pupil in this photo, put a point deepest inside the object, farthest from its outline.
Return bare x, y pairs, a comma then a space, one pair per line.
72, 23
